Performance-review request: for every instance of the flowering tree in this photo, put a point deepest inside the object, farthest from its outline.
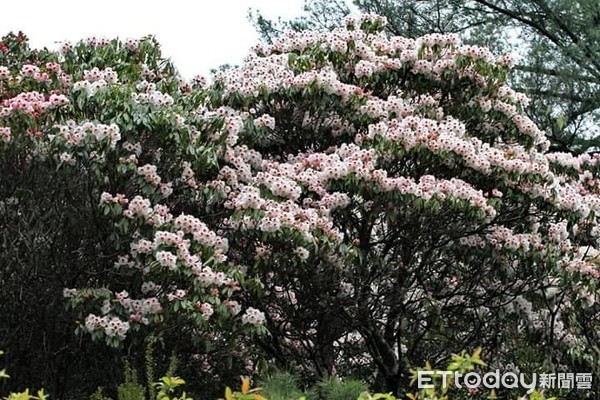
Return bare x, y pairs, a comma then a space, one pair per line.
556, 41
362, 202
101, 145
399, 205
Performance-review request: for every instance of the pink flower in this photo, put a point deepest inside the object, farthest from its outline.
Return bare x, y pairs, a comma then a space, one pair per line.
166, 259
5, 134
254, 317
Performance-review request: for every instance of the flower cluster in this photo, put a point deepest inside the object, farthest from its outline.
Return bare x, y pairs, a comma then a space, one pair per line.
73, 135
33, 103
265, 121
5, 134
253, 316
150, 95
111, 326
108, 75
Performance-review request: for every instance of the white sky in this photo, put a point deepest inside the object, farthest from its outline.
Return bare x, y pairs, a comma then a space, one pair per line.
197, 35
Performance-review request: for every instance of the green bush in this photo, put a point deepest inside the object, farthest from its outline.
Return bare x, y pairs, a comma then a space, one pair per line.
99, 395
131, 388
283, 385
337, 389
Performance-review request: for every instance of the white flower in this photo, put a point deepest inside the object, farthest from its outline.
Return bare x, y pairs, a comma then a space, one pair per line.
166, 259
233, 306
253, 316
302, 253
66, 158
206, 310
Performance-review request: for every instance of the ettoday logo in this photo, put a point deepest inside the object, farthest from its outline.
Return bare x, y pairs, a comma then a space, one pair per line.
507, 380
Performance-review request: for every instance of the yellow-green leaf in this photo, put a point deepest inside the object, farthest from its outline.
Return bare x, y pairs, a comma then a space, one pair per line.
228, 394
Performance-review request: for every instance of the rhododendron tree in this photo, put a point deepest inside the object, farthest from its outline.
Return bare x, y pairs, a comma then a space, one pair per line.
100, 147
345, 201
402, 206
556, 42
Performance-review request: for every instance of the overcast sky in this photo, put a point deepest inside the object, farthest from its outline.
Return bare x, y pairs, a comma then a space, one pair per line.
196, 35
